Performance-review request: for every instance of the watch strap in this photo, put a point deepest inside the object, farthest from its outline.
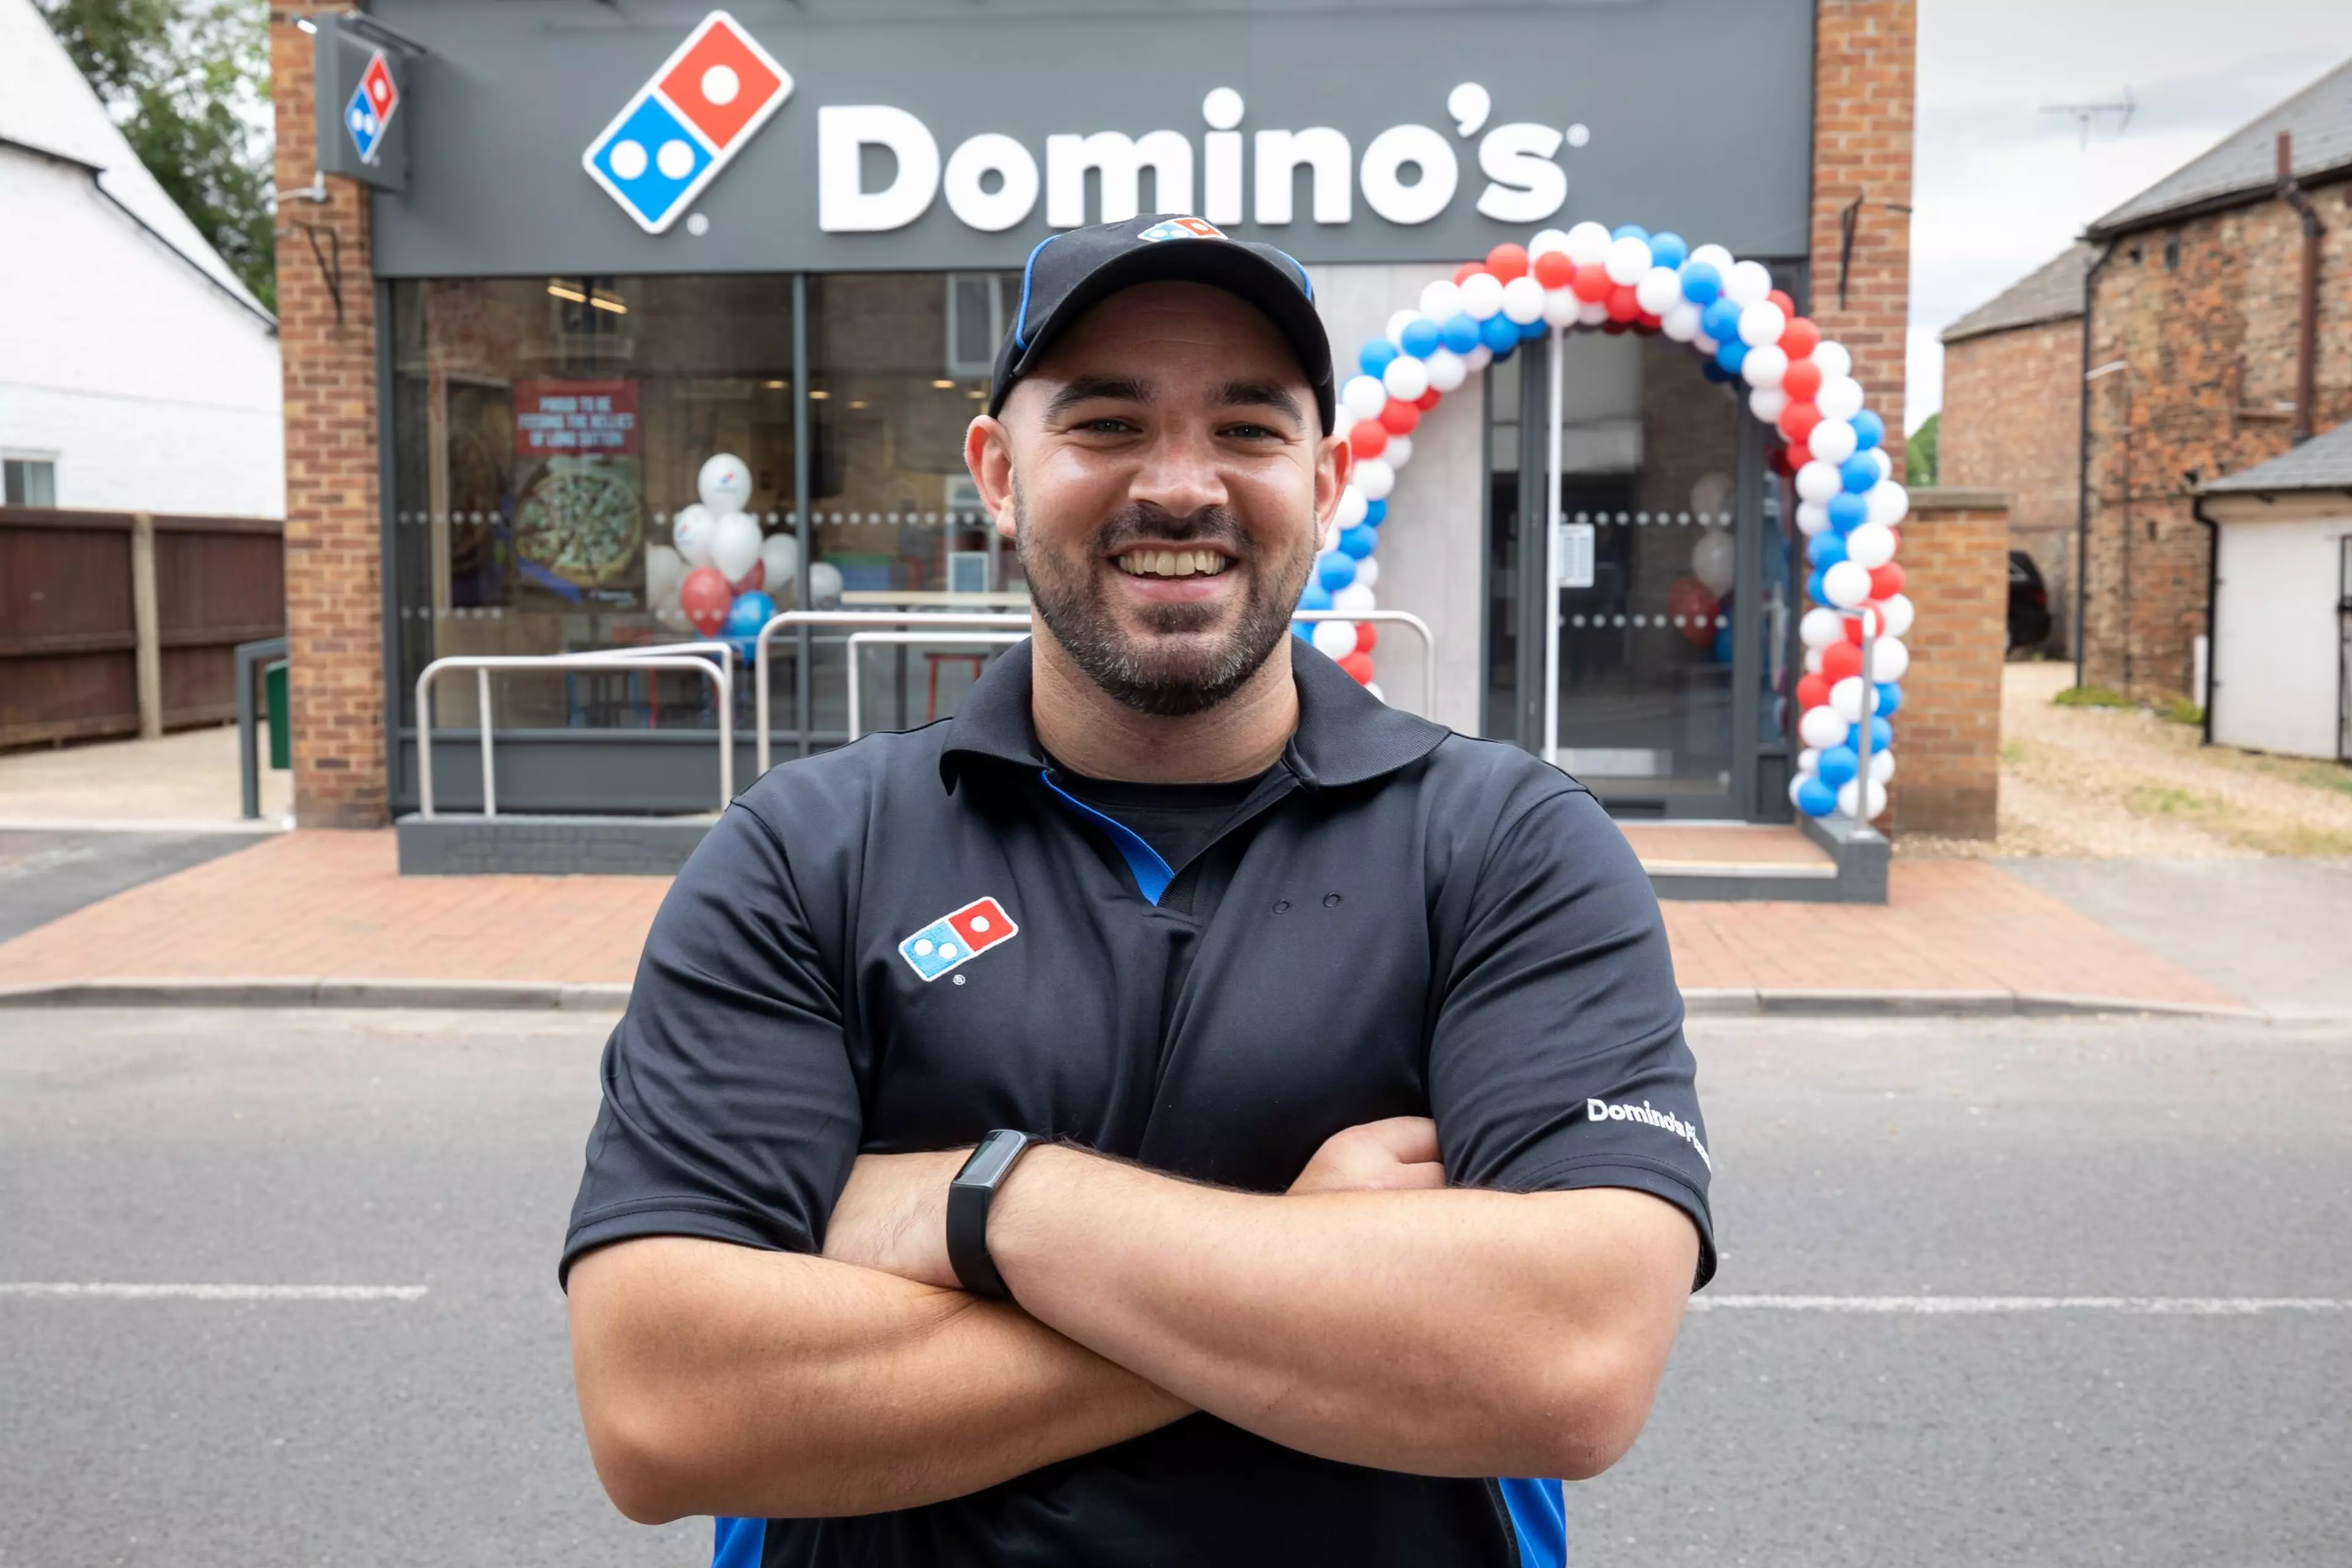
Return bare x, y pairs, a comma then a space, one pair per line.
969, 1195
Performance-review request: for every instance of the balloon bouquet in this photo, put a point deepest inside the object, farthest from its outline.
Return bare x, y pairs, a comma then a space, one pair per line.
720, 576
1631, 281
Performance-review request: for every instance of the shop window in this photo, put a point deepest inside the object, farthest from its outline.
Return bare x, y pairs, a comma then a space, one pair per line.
31, 481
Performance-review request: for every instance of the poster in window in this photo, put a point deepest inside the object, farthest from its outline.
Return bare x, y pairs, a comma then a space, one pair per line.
579, 529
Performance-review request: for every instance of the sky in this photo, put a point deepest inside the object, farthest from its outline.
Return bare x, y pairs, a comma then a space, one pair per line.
1999, 188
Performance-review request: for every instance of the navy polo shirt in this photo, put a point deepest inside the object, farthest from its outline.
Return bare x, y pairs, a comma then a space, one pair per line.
903, 943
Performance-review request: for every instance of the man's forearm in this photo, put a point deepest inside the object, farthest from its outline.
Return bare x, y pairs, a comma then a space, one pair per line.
717, 1379
1446, 1332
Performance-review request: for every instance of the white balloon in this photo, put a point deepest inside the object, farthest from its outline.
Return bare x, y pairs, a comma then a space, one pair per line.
1523, 299
1681, 322
1889, 660
1831, 441
1804, 777
1550, 239
1762, 323
1713, 558
1355, 599
825, 584
665, 570
1821, 728
1809, 761
724, 483
1560, 306
780, 562
1882, 765
1482, 295
1629, 259
1812, 516
1820, 627
1399, 322
1898, 611
1587, 243
1660, 290
1870, 546
1713, 256
1839, 398
1446, 370
1834, 359
1813, 661
1478, 358
1767, 403
1368, 571
1352, 507
1336, 639
1764, 367
1406, 378
1398, 452
1846, 699
1441, 300
1885, 464
735, 545
1746, 284
1889, 502
1818, 481
690, 532
1375, 479
1845, 585
1849, 796
1364, 396
1591, 312
1704, 344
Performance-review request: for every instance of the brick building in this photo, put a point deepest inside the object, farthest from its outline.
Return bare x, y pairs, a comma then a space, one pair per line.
2012, 418
427, 326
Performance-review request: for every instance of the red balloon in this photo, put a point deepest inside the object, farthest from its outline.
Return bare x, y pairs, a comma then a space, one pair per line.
1508, 261
1468, 270
1624, 305
1689, 599
755, 578
1813, 692
1591, 283
1800, 380
1780, 297
1428, 400
1368, 636
1369, 438
1782, 463
1799, 338
1616, 329
1401, 416
1799, 454
1840, 660
1797, 421
705, 598
1553, 269
1886, 581
1358, 665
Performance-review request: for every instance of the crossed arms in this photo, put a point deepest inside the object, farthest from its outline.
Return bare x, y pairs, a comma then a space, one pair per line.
1371, 1315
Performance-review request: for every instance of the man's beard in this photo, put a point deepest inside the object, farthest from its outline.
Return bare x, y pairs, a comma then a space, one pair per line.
1166, 681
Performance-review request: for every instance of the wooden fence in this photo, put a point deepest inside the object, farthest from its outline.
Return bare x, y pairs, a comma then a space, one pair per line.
126, 623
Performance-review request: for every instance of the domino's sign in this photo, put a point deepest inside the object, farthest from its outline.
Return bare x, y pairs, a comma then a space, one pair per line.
687, 123
371, 108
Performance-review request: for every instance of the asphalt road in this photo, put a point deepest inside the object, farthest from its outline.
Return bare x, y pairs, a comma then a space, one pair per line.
1956, 1161
45, 873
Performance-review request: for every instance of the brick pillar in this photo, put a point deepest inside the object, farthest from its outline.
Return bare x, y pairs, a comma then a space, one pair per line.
1862, 63
334, 605
1948, 736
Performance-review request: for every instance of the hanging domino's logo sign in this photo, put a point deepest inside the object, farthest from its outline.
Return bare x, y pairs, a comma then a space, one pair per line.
687, 123
704, 104
371, 108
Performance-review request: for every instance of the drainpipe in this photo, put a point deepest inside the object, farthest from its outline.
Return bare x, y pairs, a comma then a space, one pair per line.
2082, 470
2212, 609
2306, 339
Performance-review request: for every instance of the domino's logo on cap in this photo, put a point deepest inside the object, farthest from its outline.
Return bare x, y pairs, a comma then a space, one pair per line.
1184, 228
687, 123
955, 940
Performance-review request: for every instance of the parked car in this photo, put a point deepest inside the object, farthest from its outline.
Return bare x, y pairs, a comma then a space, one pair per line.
2029, 603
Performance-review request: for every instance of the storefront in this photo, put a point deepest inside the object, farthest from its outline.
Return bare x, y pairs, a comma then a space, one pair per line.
579, 301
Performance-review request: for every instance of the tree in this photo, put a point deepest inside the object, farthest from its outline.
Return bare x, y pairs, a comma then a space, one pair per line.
1919, 454
188, 83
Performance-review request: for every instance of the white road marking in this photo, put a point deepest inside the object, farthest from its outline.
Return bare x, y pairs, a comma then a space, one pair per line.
1978, 1306
114, 1292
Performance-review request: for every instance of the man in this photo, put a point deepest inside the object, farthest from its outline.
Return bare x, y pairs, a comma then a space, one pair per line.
1370, 1170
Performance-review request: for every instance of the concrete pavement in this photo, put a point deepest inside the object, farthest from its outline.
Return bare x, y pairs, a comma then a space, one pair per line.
1954, 1160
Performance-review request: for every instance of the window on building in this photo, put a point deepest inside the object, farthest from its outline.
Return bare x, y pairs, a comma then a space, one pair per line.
2172, 253
31, 481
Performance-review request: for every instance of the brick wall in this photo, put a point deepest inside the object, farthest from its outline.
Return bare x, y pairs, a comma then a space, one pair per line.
2205, 315
1948, 736
334, 603
1863, 65
2012, 422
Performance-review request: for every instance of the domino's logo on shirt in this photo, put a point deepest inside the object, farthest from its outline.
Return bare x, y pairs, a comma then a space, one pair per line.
957, 939
687, 123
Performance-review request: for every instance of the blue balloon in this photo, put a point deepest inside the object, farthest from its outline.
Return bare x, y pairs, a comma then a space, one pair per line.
752, 610
1302, 631
1720, 650
1869, 431
1499, 332
1376, 512
1882, 736
1420, 338
1815, 589
1629, 231
1315, 597
1376, 355
1815, 798
1860, 473
1890, 698
1504, 353
1530, 330
1335, 571
1731, 354
1825, 549
1838, 764
1721, 322
1701, 284
1461, 332
1848, 511
1715, 372
1358, 542
1669, 249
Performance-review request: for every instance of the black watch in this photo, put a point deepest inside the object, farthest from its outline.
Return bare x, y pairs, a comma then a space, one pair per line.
969, 1196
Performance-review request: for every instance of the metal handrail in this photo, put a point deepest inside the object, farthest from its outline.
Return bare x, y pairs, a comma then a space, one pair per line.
762, 748
1405, 618
909, 639
683, 657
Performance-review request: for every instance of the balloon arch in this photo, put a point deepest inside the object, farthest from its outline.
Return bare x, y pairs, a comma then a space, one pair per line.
1629, 280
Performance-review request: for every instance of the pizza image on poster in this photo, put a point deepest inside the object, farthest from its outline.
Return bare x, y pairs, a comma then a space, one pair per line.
579, 522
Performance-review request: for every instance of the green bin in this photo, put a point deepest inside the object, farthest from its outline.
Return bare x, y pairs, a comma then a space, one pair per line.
282, 734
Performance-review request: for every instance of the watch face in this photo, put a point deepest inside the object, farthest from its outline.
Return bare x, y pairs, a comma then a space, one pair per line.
990, 1161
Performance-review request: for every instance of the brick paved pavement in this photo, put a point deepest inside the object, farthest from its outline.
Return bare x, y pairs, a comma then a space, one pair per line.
331, 906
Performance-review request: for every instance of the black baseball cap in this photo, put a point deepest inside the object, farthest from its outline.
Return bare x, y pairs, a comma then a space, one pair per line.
1068, 274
